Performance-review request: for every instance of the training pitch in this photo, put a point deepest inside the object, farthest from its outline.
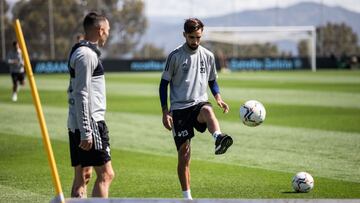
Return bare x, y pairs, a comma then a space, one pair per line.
312, 124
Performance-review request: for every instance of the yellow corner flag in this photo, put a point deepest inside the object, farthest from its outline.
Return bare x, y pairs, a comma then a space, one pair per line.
55, 176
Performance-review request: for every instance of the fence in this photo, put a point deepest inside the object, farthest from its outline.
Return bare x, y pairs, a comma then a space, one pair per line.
233, 64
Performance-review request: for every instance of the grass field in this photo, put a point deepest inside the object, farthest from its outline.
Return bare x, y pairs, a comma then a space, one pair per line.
312, 124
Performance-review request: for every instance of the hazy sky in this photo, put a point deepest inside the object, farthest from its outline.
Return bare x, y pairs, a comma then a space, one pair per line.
206, 8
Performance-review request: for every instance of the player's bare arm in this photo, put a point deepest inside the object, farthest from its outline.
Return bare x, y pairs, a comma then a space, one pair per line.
221, 103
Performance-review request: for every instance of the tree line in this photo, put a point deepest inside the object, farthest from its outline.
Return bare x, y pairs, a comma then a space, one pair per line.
129, 23
127, 20
333, 40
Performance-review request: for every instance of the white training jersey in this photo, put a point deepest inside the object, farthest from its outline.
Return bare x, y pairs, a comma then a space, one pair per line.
189, 72
86, 92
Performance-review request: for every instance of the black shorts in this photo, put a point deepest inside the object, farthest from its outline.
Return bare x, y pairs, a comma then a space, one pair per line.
185, 120
93, 157
17, 77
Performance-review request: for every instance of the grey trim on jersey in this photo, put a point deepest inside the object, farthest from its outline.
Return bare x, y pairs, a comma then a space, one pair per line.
87, 96
189, 72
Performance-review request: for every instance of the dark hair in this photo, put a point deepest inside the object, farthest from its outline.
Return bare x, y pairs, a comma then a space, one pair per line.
93, 19
14, 43
193, 24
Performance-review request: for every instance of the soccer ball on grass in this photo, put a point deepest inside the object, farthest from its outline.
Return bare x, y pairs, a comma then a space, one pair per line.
303, 182
252, 113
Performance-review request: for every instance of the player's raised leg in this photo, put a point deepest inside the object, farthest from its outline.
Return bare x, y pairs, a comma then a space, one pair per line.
222, 141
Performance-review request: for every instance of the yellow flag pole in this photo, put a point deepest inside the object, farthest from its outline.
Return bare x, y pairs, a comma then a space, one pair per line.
55, 176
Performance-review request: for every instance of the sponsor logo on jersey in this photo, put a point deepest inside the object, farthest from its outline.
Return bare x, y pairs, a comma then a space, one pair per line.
185, 66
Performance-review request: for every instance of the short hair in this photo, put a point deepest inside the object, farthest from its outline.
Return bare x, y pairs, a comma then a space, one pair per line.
93, 19
14, 43
193, 24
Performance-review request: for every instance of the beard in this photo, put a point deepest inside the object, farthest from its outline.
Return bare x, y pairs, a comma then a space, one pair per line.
102, 43
193, 46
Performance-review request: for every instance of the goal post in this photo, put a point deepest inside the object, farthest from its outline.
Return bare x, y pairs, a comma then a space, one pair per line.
248, 35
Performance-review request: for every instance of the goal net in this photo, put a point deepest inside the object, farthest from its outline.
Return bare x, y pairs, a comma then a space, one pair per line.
242, 36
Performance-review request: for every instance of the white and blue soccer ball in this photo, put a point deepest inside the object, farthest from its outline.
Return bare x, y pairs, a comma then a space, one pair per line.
252, 113
303, 182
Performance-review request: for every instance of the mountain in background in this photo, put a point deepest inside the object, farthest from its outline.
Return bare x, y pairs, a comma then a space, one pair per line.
167, 32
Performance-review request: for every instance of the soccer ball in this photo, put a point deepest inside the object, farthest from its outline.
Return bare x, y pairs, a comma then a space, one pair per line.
303, 182
252, 113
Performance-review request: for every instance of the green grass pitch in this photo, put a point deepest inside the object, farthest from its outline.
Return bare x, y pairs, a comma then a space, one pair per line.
312, 124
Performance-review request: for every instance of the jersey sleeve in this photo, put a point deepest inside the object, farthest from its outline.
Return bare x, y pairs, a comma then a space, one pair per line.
84, 65
169, 66
213, 72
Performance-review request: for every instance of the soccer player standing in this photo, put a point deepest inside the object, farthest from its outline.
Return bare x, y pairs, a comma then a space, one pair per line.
88, 133
190, 69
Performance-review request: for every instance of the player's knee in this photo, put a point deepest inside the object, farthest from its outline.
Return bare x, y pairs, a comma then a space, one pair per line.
86, 177
108, 175
86, 174
184, 154
206, 111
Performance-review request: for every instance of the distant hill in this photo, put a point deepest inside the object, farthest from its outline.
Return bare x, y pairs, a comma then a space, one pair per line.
167, 32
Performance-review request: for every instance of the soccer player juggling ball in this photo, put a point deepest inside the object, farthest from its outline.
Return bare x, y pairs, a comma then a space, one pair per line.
190, 69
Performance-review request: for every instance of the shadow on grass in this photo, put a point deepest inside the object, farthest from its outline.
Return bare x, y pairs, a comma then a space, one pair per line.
290, 192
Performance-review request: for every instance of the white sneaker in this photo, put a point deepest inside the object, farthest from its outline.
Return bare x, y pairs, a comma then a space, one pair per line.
14, 97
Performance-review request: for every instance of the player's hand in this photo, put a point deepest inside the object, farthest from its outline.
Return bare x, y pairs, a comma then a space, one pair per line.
222, 104
86, 144
167, 120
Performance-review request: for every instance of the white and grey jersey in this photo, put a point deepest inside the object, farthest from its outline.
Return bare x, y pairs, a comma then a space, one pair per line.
189, 72
15, 61
86, 92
